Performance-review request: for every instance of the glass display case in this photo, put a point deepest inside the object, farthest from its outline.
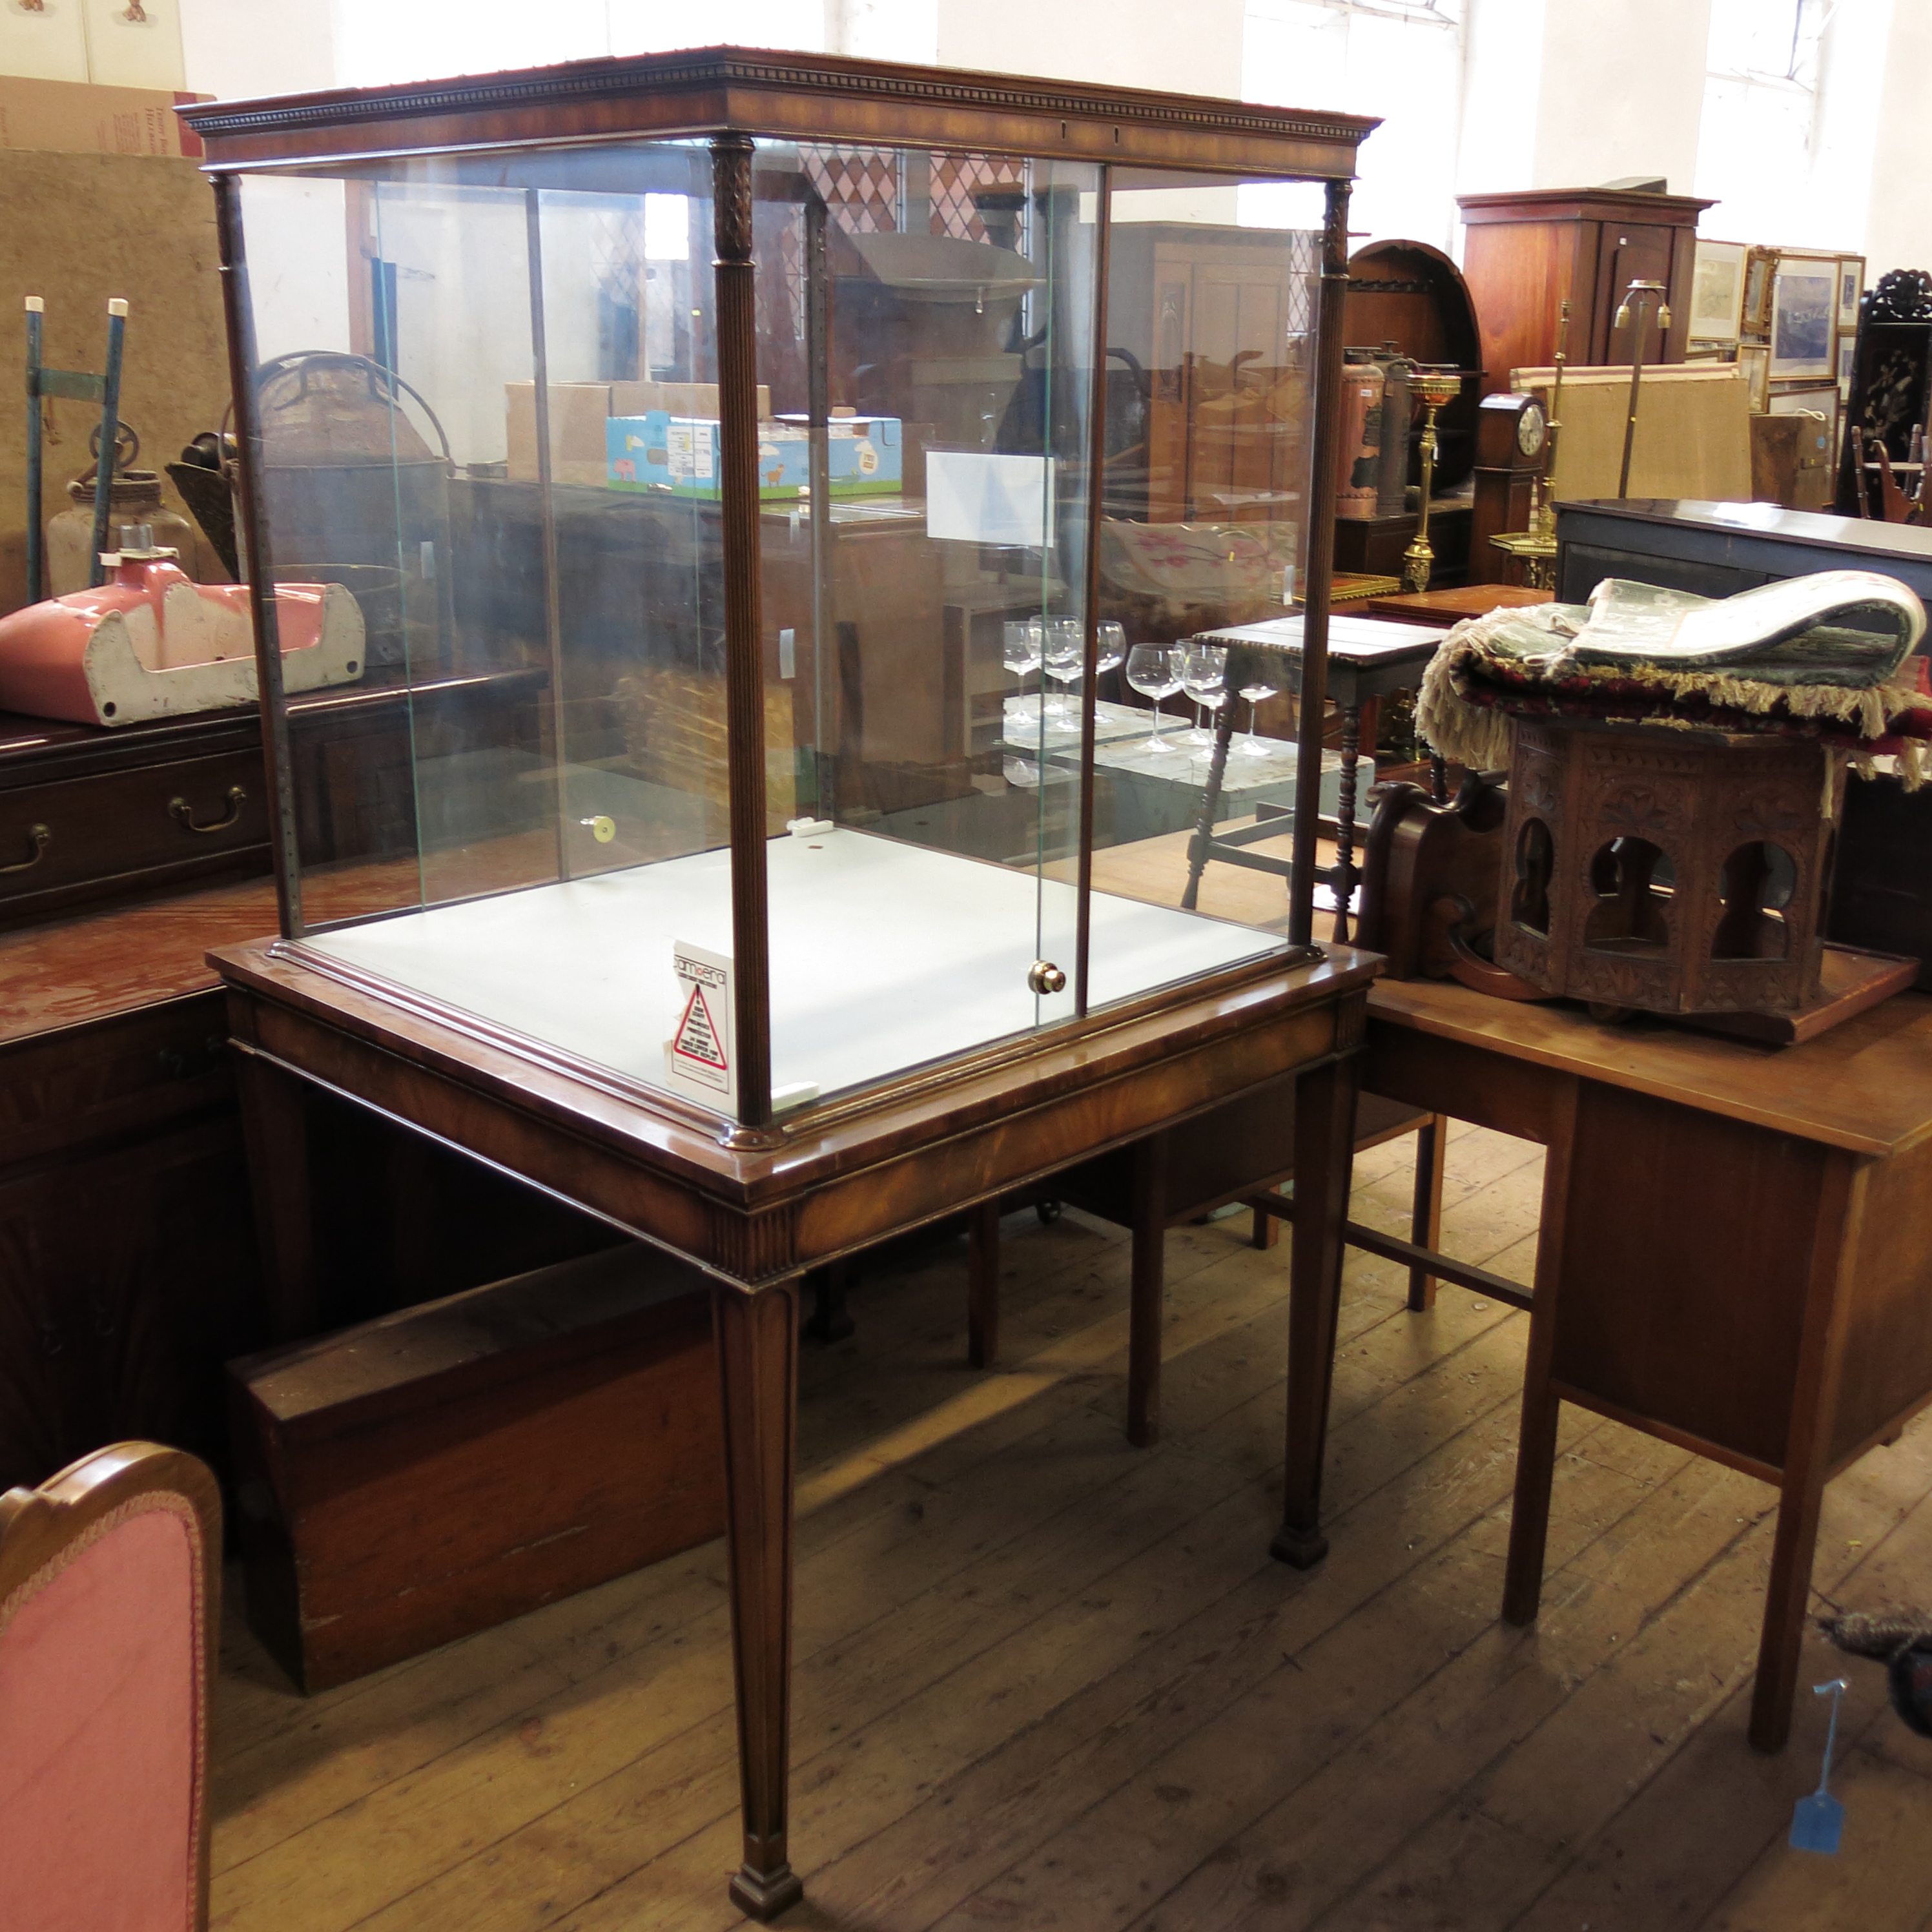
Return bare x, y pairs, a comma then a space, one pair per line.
853, 452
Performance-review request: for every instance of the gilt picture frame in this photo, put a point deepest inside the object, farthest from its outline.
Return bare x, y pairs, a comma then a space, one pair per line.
1851, 286
1804, 318
1717, 291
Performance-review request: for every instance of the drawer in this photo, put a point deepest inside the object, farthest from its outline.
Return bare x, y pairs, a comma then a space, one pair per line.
156, 824
136, 1073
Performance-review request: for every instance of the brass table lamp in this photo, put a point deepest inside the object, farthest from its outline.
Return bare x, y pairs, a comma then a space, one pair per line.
1435, 387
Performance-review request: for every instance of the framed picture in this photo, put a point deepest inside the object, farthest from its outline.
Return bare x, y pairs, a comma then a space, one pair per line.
1717, 291
1760, 265
1851, 286
1848, 347
1816, 400
1754, 363
1804, 318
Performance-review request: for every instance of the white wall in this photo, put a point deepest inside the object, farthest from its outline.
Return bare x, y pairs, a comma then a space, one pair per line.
1539, 93
236, 49
1191, 49
1898, 210
1622, 91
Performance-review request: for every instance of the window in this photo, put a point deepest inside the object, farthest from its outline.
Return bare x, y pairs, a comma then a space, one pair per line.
1755, 146
1401, 59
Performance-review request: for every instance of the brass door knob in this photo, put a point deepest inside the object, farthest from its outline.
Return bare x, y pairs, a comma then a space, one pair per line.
1044, 976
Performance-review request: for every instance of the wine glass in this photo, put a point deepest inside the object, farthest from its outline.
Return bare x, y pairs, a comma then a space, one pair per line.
1110, 644
1065, 658
1153, 671
1261, 686
1204, 669
1020, 654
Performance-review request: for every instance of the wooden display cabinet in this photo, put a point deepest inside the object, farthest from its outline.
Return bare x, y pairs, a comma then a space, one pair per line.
705, 997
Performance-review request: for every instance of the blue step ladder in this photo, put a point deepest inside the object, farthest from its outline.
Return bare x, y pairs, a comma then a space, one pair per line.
73, 385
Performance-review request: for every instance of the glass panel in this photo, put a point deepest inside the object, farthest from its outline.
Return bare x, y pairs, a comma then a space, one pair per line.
544, 622
1211, 296
924, 599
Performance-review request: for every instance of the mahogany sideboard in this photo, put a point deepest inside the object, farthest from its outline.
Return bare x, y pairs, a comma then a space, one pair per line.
1733, 1254
128, 1268
175, 802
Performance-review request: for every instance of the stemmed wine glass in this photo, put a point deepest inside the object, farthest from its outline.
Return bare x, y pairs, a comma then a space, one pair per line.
1260, 686
1154, 671
1021, 654
1203, 670
1065, 656
1110, 647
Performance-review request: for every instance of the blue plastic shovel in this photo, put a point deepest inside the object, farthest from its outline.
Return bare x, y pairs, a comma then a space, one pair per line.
1818, 1822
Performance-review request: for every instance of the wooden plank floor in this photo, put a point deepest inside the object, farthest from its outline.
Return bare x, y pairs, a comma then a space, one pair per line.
1044, 1680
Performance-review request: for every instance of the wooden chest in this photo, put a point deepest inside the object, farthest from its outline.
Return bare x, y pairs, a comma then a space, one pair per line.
409, 1480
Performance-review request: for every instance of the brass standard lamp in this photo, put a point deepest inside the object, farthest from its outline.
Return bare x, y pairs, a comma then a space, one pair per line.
1639, 293
1435, 387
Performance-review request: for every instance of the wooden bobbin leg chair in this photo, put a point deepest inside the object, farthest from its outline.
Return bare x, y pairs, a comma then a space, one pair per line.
109, 1605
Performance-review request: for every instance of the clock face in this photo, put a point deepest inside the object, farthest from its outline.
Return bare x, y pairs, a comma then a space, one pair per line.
1531, 429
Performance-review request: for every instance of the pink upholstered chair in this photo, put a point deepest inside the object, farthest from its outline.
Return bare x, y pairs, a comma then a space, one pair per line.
109, 1600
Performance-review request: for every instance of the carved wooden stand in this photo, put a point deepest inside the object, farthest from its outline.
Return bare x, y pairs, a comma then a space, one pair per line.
1667, 872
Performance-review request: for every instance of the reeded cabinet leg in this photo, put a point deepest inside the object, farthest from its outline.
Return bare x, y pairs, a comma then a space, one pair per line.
758, 1362
1149, 1263
1324, 1127
1431, 1145
982, 1284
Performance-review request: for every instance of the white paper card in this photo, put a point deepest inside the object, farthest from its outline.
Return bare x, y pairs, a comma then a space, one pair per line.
972, 497
700, 1057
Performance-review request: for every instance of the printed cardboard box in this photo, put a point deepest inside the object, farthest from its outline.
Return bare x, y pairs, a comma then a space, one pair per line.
681, 454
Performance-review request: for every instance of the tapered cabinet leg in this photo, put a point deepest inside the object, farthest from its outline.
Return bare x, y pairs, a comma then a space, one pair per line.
757, 1361
1150, 1265
1834, 1267
982, 1285
1431, 1145
1324, 1128
1785, 1605
1536, 1440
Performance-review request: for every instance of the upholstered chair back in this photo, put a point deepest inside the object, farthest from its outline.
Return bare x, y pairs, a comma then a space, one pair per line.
110, 1580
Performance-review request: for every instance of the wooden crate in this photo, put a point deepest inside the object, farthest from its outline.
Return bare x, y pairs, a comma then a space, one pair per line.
413, 1479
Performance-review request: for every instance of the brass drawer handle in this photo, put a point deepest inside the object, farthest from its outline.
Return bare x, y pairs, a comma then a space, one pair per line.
183, 813
40, 838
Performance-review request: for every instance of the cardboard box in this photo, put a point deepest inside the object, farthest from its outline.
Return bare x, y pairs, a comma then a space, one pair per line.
680, 454
69, 117
578, 411
677, 399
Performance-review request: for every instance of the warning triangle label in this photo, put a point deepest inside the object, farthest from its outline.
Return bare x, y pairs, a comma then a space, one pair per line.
696, 1043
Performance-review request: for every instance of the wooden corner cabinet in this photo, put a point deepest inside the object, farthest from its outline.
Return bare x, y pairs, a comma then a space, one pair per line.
831, 430
1527, 253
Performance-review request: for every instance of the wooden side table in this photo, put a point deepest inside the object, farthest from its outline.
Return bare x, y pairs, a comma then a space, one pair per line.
1442, 608
1733, 1253
755, 1217
1366, 658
